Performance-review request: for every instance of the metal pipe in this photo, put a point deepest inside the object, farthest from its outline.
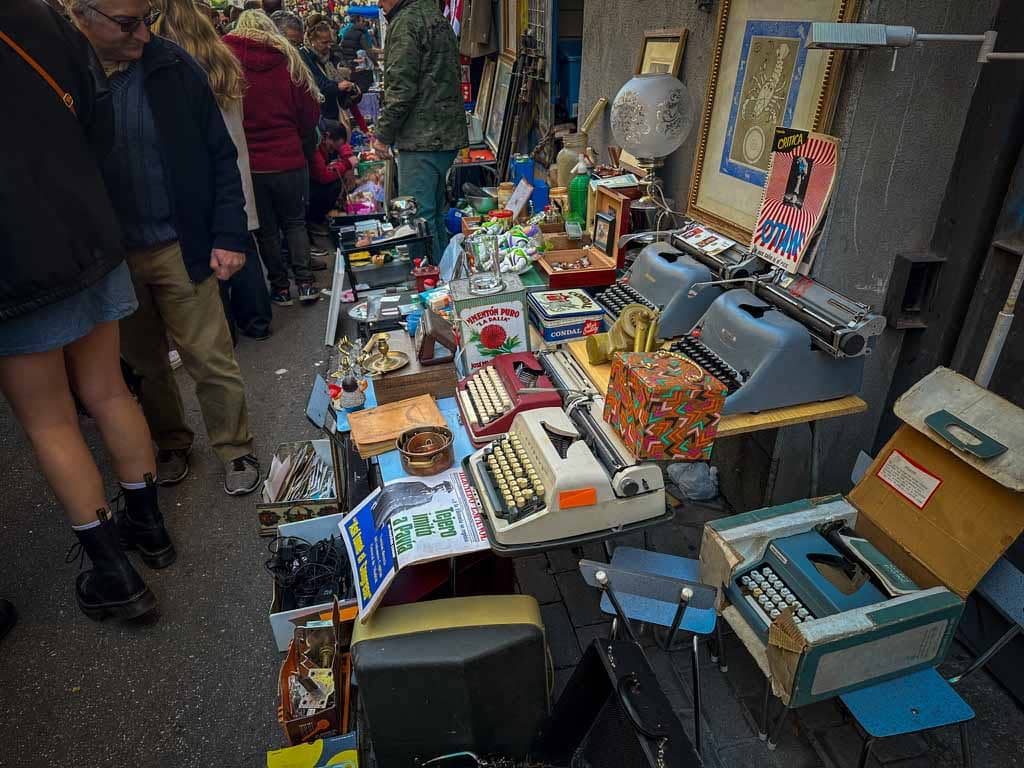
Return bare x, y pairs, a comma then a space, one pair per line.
1001, 329
940, 37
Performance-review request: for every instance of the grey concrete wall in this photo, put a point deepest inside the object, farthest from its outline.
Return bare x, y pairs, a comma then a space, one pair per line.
899, 132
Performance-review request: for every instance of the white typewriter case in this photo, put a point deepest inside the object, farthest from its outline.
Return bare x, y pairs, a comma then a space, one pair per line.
940, 514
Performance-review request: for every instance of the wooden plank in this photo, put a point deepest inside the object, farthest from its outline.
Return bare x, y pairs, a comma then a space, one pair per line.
741, 423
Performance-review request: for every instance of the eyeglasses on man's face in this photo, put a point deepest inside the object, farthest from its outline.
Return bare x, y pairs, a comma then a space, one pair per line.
129, 24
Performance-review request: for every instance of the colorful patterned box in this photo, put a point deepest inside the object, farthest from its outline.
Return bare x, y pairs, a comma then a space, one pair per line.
664, 405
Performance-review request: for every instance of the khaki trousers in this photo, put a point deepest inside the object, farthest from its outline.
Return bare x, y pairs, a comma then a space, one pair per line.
193, 316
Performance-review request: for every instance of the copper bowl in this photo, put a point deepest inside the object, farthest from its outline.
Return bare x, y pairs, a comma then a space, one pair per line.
426, 451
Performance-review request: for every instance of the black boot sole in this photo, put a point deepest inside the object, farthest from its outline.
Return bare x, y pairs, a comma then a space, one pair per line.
133, 608
154, 560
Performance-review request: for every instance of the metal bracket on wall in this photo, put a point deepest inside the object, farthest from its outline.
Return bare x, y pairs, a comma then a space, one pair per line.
911, 291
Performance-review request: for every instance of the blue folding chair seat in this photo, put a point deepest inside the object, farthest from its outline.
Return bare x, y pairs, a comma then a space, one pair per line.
913, 703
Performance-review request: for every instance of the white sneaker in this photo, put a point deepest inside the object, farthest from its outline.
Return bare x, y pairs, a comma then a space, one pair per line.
175, 359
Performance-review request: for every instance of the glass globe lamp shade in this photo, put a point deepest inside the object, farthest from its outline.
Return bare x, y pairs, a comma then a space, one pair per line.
651, 116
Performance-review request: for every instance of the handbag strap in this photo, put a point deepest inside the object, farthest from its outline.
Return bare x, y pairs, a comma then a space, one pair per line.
66, 98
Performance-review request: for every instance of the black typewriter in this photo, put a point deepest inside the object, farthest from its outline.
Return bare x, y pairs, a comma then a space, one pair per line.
616, 297
693, 348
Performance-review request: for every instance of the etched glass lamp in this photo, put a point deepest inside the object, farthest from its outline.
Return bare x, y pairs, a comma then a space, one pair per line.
651, 118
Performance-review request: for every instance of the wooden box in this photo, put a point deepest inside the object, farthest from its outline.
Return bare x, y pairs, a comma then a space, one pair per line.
415, 378
600, 272
616, 202
664, 406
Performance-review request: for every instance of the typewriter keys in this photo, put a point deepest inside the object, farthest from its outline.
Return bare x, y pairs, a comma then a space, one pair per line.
514, 477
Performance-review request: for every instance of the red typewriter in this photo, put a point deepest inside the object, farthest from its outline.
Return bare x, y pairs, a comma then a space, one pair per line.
489, 398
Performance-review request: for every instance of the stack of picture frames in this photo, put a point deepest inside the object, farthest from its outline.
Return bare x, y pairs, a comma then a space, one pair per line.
762, 76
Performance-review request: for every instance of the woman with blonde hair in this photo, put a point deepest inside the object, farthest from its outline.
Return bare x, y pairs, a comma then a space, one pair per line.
246, 300
282, 109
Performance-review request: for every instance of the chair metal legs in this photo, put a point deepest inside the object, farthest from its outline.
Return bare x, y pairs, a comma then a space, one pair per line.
865, 752
762, 728
773, 734
965, 744
982, 660
697, 735
720, 646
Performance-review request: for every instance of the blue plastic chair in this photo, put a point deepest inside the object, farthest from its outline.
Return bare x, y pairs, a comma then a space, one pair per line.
913, 703
698, 621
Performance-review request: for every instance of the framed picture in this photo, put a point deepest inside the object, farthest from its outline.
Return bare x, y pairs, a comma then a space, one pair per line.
762, 76
617, 202
498, 103
604, 230
483, 94
510, 30
661, 52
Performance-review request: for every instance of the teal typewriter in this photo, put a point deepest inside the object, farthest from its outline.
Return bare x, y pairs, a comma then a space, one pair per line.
815, 574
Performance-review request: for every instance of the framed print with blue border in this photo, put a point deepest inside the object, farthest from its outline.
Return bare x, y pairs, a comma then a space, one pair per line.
762, 76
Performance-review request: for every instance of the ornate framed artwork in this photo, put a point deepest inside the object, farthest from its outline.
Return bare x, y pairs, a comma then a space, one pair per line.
510, 27
661, 52
762, 76
499, 102
483, 95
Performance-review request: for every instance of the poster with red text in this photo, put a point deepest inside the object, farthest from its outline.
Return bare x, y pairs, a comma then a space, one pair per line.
801, 175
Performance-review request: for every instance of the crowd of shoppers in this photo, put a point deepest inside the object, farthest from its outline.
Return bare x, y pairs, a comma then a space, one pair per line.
171, 154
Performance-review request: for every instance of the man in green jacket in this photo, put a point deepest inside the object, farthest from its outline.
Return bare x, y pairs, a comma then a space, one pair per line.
423, 116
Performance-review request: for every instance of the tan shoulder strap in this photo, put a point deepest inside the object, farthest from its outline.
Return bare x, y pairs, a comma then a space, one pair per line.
66, 98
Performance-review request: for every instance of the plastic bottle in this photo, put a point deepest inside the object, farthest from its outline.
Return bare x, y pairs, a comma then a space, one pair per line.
578, 189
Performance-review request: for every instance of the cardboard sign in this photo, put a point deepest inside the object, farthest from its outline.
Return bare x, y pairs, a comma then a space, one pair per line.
800, 179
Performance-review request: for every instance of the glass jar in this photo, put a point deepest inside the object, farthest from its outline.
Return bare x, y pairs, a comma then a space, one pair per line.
559, 197
485, 278
573, 146
505, 190
503, 217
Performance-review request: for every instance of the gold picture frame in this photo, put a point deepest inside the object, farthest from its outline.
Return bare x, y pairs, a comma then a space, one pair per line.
762, 75
510, 27
661, 52
499, 102
483, 94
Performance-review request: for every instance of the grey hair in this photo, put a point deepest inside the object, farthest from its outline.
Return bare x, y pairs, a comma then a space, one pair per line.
83, 7
287, 20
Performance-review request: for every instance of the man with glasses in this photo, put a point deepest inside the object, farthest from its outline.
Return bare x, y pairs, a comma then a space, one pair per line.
174, 181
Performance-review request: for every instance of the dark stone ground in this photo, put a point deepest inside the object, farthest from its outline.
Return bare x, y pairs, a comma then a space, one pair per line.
198, 687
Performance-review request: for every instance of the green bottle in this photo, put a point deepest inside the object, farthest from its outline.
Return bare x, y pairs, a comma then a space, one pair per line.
579, 188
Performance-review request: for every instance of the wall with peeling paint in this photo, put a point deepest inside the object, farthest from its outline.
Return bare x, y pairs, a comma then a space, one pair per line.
899, 134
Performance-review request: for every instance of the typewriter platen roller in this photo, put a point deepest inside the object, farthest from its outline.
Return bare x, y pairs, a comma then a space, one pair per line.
560, 478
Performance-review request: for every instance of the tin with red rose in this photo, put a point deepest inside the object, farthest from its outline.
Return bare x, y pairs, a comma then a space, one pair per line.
491, 325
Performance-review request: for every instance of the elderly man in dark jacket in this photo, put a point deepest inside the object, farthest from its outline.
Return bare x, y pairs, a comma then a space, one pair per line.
173, 177
423, 115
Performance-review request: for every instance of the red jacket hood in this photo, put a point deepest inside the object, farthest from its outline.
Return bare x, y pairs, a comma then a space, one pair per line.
254, 55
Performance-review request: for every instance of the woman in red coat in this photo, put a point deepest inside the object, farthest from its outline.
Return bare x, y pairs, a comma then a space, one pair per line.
282, 108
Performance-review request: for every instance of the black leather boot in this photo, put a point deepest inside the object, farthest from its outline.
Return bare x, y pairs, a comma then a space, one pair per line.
111, 587
8, 617
142, 526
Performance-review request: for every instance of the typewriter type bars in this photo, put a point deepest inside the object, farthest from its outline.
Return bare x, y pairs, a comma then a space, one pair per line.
615, 298
515, 478
487, 404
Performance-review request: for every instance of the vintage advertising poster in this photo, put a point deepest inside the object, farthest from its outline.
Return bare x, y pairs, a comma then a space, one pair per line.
801, 174
408, 521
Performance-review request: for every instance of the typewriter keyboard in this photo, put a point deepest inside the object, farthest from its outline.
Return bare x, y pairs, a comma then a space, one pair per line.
696, 350
616, 297
488, 395
514, 478
769, 595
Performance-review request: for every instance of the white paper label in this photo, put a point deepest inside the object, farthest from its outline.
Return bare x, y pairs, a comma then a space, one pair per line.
911, 481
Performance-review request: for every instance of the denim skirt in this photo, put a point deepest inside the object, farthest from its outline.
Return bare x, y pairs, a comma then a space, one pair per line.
57, 325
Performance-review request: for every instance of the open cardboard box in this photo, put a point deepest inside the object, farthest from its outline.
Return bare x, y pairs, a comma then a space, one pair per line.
941, 514
272, 514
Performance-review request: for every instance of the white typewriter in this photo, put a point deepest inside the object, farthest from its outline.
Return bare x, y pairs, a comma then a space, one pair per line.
561, 478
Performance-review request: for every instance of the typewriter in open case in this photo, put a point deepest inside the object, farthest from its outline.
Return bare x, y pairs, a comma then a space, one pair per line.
562, 477
812, 575
782, 341
663, 275
490, 397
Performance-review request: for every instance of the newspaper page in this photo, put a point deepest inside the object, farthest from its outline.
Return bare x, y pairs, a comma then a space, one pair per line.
410, 520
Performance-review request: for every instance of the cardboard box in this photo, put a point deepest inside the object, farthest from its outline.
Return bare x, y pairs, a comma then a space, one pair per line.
664, 406
470, 224
283, 623
938, 513
272, 514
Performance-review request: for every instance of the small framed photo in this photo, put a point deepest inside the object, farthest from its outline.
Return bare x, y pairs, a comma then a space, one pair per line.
604, 232
662, 52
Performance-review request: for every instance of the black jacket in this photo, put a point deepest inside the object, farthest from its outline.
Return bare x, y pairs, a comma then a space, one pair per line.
199, 157
334, 97
58, 230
